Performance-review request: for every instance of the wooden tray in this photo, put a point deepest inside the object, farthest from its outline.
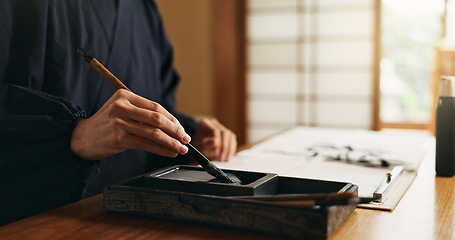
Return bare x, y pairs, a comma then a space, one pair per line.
138, 197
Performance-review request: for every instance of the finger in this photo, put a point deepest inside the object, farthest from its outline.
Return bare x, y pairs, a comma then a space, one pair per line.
136, 142
151, 113
144, 103
215, 133
158, 120
208, 147
233, 146
226, 150
210, 142
155, 135
225, 136
211, 154
229, 141
119, 94
142, 110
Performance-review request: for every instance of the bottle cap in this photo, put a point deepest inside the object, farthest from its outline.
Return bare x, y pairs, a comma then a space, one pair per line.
447, 86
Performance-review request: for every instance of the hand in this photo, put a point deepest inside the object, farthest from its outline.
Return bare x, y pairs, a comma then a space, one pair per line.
128, 121
214, 140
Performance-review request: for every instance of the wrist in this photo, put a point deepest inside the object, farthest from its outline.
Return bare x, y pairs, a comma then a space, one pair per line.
78, 141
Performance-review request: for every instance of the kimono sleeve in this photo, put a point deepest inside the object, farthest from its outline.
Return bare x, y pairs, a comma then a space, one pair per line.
38, 171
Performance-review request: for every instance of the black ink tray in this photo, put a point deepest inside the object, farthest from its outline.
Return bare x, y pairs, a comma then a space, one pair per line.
197, 180
189, 194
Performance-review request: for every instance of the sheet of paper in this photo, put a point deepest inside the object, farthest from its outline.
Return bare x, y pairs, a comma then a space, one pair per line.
292, 154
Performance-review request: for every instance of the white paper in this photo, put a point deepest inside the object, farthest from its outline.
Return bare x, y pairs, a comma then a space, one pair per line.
287, 154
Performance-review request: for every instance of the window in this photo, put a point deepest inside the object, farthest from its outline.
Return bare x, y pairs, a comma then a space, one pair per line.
310, 62
368, 64
410, 30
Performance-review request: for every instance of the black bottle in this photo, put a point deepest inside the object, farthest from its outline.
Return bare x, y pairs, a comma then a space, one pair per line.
445, 128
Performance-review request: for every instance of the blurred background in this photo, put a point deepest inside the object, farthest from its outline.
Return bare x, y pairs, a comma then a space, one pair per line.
262, 66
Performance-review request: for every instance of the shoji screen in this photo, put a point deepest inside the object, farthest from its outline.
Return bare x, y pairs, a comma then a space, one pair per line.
310, 62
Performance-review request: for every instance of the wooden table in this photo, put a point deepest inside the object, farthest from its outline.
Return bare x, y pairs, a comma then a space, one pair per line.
427, 211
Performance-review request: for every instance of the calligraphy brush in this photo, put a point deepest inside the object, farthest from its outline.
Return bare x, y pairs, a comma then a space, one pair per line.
193, 153
312, 199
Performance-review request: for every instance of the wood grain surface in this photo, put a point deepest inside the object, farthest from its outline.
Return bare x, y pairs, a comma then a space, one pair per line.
426, 211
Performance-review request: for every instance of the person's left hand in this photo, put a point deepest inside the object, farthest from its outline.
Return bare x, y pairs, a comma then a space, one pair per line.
214, 140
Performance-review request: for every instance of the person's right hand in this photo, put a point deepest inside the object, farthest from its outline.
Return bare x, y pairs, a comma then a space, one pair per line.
128, 121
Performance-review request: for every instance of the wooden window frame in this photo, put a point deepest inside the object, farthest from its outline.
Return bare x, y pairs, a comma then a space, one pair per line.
229, 65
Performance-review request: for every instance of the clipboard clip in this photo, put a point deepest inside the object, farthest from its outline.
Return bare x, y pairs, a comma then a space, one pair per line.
388, 184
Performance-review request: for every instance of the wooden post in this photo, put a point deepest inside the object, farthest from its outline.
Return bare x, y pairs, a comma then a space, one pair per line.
229, 65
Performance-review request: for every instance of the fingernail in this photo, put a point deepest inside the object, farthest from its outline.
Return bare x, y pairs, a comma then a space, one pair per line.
186, 138
183, 149
227, 157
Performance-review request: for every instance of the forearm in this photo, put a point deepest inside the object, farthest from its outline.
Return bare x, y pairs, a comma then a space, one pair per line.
38, 171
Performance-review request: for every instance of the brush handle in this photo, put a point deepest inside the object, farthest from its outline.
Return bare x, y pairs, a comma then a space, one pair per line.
311, 199
107, 75
192, 151
299, 197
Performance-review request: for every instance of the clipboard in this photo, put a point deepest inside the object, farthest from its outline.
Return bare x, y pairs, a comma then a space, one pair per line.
389, 204
391, 180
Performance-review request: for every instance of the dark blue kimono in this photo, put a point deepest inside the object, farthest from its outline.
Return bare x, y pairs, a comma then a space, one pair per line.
46, 88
